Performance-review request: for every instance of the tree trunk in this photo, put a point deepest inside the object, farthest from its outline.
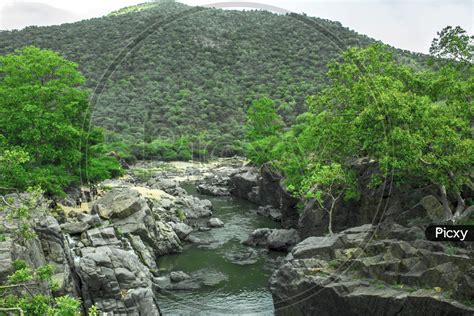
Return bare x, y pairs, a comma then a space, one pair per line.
448, 214
461, 205
330, 218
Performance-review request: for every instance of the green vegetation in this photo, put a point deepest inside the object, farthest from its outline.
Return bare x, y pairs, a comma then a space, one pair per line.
43, 112
195, 77
414, 124
22, 291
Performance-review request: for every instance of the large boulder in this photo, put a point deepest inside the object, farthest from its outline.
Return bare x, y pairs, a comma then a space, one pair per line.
116, 281
265, 188
273, 239
319, 247
170, 186
282, 239
213, 190
182, 230
119, 203
194, 207
215, 222
302, 288
243, 182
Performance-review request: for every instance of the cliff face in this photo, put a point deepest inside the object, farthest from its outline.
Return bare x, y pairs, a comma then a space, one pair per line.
365, 270
105, 254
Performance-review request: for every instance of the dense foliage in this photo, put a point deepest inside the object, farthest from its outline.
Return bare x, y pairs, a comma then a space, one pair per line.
23, 292
416, 125
44, 132
194, 76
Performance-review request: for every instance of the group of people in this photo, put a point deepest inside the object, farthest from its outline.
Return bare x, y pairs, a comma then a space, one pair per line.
81, 197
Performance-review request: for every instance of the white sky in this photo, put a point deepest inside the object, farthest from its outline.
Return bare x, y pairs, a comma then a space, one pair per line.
402, 23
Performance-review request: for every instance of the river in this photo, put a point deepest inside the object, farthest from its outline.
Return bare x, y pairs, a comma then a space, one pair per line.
237, 275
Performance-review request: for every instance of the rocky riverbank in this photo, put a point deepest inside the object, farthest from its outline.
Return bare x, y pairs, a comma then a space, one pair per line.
106, 251
379, 263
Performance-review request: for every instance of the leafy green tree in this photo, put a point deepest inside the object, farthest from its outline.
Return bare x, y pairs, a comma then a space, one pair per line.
328, 184
415, 125
453, 43
263, 128
43, 112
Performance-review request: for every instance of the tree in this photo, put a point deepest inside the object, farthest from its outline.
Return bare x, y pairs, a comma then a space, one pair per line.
263, 128
328, 184
43, 112
414, 125
416, 136
453, 43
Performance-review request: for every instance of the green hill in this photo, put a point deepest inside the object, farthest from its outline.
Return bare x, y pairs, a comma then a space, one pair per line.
189, 71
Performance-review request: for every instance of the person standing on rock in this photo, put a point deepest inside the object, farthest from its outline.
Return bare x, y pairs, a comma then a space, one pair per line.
79, 201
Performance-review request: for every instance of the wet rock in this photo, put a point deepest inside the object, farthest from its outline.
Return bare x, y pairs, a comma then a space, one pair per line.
282, 239
215, 222
271, 212
243, 182
245, 256
194, 207
213, 190
258, 238
274, 239
178, 276
182, 230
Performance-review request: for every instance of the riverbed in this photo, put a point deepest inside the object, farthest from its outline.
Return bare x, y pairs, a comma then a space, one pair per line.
237, 275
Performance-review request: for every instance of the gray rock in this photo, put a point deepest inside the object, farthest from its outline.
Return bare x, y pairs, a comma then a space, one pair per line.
92, 220
213, 190
116, 281
178, 276
119, 203
182, 230
170, 186
274, 239
282, 239
194, 207
319, 247
243, 182
433, 208
271, 212
215, 222
74, 227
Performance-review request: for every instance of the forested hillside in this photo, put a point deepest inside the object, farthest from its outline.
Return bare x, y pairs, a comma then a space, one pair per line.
190, 80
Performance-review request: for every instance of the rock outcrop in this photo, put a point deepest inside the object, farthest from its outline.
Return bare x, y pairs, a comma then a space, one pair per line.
365, 270
265, 188
273, 239
386, 201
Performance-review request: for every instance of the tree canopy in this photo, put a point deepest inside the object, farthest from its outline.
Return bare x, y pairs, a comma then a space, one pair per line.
44, 122
414, 124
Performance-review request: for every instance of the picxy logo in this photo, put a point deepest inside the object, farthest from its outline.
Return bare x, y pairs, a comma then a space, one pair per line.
450, 233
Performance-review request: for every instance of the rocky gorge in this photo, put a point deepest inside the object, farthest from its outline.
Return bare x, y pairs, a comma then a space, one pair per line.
113, 252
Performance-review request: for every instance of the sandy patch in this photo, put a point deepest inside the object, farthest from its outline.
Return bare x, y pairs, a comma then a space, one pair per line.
85, 208
152, 193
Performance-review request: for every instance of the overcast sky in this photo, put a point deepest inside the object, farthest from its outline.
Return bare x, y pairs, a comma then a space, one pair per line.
402, 23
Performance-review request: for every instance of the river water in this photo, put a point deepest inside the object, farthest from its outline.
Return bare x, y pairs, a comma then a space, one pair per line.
237, 275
